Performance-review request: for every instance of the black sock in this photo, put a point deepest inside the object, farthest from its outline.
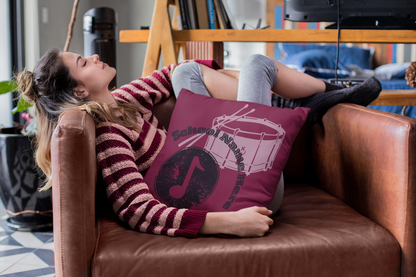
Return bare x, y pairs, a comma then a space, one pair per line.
318, 103
331, 87
366, 92
362, 94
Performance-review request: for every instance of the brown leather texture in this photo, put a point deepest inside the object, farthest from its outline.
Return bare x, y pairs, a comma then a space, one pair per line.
314, 234
74, 181
163, 111
359, 155
366, 158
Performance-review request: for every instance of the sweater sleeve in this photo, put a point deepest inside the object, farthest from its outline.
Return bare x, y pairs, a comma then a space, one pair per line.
150, 90
129, 195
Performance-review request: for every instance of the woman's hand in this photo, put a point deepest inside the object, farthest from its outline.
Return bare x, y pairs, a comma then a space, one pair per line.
248, 222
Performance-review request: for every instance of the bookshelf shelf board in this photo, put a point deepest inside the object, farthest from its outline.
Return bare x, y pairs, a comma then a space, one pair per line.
315, 36
396, 98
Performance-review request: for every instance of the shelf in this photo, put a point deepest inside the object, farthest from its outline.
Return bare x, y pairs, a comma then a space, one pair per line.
311, 36
396, 98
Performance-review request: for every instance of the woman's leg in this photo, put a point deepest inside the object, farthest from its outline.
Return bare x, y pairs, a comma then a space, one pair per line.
217, 85
188, 76
294, 84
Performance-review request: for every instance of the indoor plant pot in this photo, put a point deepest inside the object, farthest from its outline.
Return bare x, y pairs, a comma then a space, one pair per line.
28, 208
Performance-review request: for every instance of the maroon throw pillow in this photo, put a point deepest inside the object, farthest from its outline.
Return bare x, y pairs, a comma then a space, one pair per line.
223, 155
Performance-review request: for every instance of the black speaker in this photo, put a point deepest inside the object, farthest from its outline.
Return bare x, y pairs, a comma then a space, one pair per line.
100, 36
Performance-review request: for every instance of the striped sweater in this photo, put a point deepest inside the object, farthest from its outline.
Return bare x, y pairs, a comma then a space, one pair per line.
123, 154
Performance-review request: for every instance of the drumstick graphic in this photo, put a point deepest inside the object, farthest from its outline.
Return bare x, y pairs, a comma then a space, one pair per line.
228, 120
191, 138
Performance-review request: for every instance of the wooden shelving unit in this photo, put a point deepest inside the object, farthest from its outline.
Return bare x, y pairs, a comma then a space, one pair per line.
318, 36
165, 38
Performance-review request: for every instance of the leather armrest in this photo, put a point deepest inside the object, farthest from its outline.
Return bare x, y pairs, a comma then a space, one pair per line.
74, 180
367, 159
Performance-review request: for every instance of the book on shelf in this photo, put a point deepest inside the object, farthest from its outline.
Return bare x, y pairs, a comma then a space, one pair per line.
222, 15
202, 14
230, 16
192, 14
205, 14
211, 14
184, 14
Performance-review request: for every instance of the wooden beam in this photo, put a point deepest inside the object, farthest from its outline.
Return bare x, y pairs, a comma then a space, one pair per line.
168, 46
396, 98
311, 36
153, 49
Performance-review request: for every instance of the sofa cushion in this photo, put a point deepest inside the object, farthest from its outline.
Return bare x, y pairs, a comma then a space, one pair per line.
223, 155
314, 234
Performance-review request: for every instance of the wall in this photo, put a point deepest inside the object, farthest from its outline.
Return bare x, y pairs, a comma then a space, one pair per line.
131, 15
249, 12
54, 17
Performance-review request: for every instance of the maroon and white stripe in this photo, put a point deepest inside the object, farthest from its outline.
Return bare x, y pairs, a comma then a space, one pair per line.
123, 153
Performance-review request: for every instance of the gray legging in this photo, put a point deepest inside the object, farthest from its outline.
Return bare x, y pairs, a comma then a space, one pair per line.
257, 76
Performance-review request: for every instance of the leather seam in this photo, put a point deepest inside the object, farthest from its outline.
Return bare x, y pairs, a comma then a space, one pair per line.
96, 246
408, 191
83, 200
60, 202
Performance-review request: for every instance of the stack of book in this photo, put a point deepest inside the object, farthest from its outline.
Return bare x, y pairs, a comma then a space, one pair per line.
205, 14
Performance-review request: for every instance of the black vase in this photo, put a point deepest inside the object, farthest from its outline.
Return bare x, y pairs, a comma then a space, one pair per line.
28, 208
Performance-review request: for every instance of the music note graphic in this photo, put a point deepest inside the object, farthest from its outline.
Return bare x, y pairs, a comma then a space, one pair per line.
178, 191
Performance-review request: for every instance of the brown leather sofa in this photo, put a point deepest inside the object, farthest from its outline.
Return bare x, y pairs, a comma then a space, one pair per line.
348, 210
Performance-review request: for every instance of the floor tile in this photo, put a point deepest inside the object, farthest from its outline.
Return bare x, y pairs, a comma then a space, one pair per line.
13, 258
20, 250
33, 259
46, 256
25, 254
27, 239
4, 266
25, 270
44, 237
9, 247
9, 240
47, 246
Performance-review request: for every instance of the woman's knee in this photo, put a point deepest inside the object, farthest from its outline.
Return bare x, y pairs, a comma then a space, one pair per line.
260, 61
182, 71
260, 67
182, 74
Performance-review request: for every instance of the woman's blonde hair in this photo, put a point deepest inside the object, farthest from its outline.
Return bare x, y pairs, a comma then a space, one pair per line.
50, 88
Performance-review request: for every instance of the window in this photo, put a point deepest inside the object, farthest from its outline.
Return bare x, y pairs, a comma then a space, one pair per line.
5, 63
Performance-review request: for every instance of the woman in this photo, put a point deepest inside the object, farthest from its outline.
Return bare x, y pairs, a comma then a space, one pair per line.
128, 136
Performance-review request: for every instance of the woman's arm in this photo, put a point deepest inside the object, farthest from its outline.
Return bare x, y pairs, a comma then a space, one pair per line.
248, 222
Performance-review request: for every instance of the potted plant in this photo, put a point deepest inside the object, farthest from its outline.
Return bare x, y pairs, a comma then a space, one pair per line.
27, 207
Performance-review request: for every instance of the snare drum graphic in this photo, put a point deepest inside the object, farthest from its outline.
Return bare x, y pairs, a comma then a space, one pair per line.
252, 144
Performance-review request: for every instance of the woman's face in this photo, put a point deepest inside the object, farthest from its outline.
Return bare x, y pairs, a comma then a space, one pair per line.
92, 76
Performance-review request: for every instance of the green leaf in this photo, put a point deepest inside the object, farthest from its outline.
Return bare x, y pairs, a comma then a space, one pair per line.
8, 86
21, 106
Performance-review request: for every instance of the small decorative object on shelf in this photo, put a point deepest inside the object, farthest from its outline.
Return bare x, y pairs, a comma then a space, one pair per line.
411, 75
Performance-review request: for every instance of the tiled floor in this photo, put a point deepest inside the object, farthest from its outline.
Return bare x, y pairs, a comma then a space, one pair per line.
23, 253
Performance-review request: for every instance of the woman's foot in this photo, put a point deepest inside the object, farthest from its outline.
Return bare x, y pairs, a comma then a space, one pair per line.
319, 103
366, 92
362, 94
